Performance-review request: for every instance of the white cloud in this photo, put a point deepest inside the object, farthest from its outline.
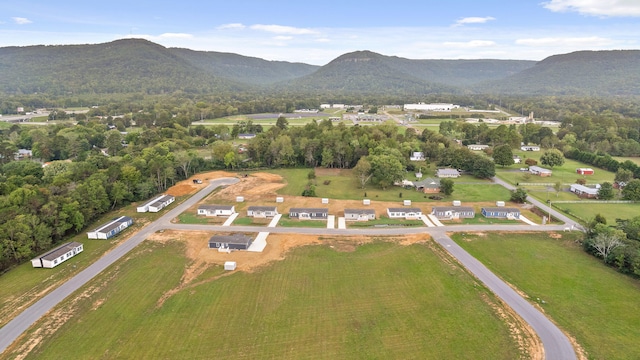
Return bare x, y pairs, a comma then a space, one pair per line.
565, 42
283, 37
233, 26
323, 40
175, 36
629, 8
469, 44
21, 20
473, 20
280, 29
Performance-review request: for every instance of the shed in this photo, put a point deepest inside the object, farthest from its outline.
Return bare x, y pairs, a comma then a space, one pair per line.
325, 200
456, 203
229, 265
57, 255
239, 198
585, 171
406, 202
279, 199
366, 202
359, 214
499, 203
231, 242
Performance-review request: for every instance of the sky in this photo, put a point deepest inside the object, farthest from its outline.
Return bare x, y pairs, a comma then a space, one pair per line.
318, 32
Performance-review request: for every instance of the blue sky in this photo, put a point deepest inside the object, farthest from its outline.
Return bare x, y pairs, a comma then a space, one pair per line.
317, 32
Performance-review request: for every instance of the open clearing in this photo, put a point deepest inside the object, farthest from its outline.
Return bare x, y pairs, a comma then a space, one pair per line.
345, 298
596, 305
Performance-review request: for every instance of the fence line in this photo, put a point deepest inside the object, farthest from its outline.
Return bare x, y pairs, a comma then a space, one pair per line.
594, 202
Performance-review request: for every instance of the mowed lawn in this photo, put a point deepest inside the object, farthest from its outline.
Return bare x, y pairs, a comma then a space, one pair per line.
382, 300
592, 302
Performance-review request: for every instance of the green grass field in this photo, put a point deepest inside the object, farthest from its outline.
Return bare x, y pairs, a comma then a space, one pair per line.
593, 303
611, 212
380, 301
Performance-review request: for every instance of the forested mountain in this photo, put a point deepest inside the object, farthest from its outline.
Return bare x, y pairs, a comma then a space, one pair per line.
139, 66
594, 73
244, 69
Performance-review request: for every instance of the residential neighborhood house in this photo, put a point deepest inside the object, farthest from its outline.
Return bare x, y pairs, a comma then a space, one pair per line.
111, 228
447, 173
585, 191
58, 255
428, 185
156, 204
231, 242
216, 210
417, 156
501, 212
530, 148
536, 170
262, 211
477, 147
309, 213
359, 214
404, 213
453, 212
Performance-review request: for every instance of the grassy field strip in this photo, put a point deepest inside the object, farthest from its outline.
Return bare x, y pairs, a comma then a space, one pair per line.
591, 302
380, 301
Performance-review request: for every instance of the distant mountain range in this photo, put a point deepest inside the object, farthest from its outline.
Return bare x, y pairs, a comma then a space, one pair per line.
135, 66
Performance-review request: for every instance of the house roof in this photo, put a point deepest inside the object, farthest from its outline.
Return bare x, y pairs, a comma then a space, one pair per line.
404, 210
60, 250
261, 208
448, 172
161, 200
115, 223
585, 189
501, 209
429, 183
453, 208
359, 211
539, 169
239, 239
309, 210
216, 207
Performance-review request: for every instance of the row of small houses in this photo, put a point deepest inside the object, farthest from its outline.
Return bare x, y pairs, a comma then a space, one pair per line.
440, 212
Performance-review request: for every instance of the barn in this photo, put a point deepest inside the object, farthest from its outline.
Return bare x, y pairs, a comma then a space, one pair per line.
585, 171
309, 213
359, 214
110, 229
501, 212
58, 255
231, 242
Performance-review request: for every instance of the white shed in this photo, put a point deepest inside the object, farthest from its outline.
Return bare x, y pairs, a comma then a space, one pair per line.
407, 202
279, 199
325, 200
456, 203
239, 198
366, 202
229, 265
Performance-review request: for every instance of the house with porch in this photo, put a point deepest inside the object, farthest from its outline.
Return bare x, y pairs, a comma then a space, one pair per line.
309, 213
501, 212
230, 242
428, 185
57, 255
216, 210
359, 214
404, 213
262, 211
110, 229
453, 212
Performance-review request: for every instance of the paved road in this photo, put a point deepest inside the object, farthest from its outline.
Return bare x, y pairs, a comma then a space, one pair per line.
12, 330
555, 343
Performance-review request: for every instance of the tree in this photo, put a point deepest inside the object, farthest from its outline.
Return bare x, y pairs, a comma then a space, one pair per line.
605, 243
282, 122
606, 191
552, 157
623, 176
386, 169
362, 171
484, 168
446, 186
519, 195
632, 190
557, 187
113, 142
231, 159
531, 162
503, 155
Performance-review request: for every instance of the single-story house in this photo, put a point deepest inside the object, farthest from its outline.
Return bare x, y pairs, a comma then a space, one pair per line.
359, 214
516, 159
585, 171
585, 191
262, 211
56, 256
530, 148
404, 213
156, 204
216, 210
111, 228
246, 136
309, 213
536, 170
477, 147
453, 212
417, 156
428, 185
233, 242
23, 154
501, 212
447, 173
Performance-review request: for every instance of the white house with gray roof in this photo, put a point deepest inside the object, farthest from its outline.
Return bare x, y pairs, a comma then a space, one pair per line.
359, 214
309, 213
216, 210
110, 229
404, 213
57, 255
447, 173
262, 211
453, 212
156, 204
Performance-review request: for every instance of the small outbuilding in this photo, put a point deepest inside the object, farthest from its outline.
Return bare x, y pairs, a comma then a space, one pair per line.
262, 211
216, 210
501, 212
111, 229
585, 171
229, 265
57, 255
231, 242
359, 214
309, 213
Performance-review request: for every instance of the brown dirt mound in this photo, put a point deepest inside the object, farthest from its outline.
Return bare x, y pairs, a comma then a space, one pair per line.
187, 186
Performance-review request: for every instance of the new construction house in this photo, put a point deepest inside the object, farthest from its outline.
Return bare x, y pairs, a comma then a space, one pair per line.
156, 204
453, 212
216, 210
58, 255
309, 213
359, 214
231, 242
111, 229
262, 211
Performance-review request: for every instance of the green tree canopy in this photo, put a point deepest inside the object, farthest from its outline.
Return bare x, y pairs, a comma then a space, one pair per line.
552, 157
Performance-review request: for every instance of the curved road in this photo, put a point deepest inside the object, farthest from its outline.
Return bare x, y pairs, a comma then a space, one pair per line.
556, 344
